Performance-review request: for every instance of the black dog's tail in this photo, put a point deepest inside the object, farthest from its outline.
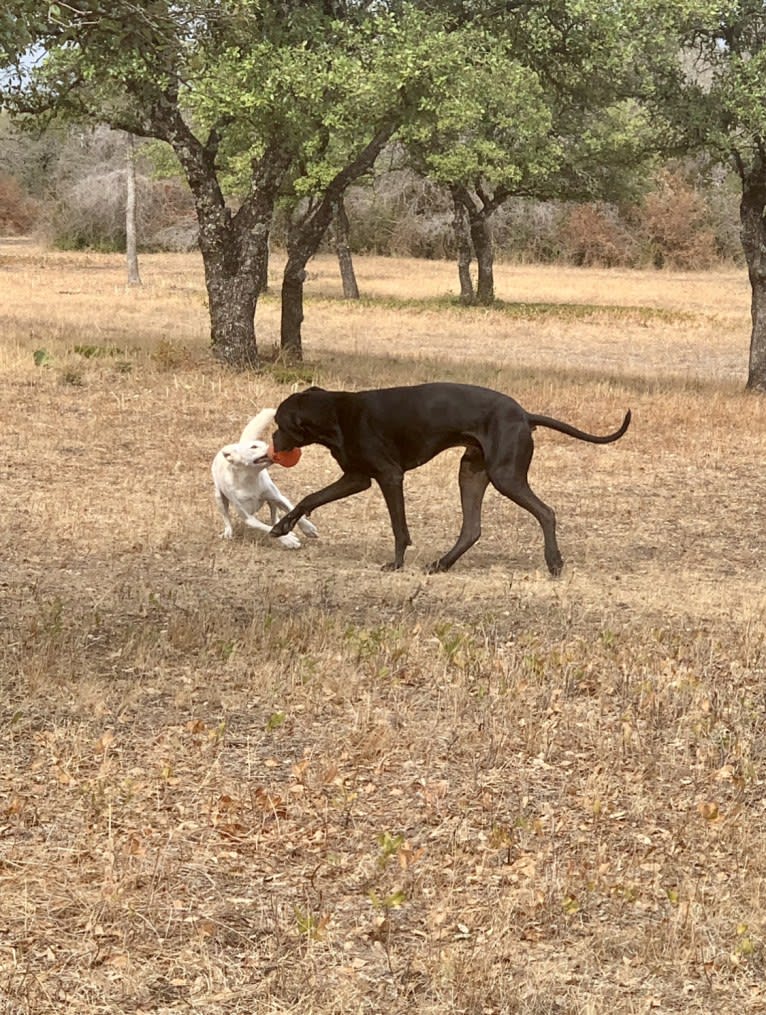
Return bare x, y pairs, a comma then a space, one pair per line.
572, 431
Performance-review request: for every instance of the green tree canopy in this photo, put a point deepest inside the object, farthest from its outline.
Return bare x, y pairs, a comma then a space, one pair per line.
709, 94
547, 108
261, 98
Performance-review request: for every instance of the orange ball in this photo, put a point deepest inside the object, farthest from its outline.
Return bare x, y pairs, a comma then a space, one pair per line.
286, 458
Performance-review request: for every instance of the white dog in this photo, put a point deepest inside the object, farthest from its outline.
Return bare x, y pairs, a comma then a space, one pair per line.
241, 477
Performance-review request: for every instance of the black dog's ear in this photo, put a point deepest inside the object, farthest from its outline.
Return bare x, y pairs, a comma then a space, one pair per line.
314, 387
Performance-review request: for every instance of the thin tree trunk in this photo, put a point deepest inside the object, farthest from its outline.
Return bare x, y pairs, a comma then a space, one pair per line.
293, 278
342, 231
263, 272
131, 245
479, 206
463, 246
753, 236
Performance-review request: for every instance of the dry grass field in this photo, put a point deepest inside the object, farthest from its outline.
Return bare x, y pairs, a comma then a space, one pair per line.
239, 779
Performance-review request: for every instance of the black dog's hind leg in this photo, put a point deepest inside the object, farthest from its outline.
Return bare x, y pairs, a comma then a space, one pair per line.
473, 480
348, 484
392, 488
510, 478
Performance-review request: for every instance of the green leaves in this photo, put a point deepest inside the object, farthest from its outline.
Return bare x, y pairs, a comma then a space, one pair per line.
706, 76
535, 105
323, 95
508, 99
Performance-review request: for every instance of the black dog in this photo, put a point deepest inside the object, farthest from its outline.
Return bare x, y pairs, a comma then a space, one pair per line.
384, 433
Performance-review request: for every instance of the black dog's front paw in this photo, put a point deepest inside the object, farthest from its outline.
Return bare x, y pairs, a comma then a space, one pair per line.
555, 565
283, 526
392, 566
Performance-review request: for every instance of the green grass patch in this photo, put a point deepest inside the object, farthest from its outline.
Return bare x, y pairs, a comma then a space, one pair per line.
523, 310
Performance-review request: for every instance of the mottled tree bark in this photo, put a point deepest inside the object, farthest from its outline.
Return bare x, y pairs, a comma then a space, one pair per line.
463, 247
481, 236
753, 235
479, 205
342, 233
305, 234
234, 245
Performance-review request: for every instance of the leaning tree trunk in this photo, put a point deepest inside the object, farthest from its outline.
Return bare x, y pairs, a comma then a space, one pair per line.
292, 300
753, 236
756, 376
305, 235
131, 243
342, 232
463, 246
303, 239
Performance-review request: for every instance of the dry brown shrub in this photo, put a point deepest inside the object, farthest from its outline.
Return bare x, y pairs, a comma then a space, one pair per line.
18, 212
593, 235
91, 214
675, 219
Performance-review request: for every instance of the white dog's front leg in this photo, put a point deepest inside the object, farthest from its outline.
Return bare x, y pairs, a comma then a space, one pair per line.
223, 506
289, 544
276, 499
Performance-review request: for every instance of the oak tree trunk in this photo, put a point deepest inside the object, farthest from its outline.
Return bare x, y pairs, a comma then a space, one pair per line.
234, 245
233, 291
753, 236
305, 234
294, 276
478, 206
342, 231
234, 266
463, 248
481, 236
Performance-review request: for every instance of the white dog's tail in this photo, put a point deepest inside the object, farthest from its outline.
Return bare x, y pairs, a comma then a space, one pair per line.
257, 426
